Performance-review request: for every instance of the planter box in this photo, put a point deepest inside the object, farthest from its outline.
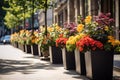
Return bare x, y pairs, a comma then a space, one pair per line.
28, 48
99, 65
13, 44
68, 59
34, 49
22, 47
16, 44
117, 53
39, 51
55, 55
80, 62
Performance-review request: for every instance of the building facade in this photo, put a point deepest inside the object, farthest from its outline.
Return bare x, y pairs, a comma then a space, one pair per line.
69, 10
41, 17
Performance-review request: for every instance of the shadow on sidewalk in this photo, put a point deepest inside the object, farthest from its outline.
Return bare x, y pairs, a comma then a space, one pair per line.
117, 64
25, 67
76, 75
116, 78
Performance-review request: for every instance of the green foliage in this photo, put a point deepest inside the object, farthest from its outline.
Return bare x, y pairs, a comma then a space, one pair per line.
10, 20
22, 9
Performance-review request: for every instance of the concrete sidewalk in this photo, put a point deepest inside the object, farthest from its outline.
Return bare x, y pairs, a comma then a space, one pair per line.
17, 65
117, 61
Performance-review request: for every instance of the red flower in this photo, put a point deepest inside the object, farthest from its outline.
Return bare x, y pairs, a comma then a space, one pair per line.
87, 43
61, 35
61, 42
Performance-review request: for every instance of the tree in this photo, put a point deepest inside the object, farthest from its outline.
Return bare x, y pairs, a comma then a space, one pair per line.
2, 12
22, 9
17, 8
11, 20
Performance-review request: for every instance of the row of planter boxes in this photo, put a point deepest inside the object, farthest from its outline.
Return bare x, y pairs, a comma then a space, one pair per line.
96, 65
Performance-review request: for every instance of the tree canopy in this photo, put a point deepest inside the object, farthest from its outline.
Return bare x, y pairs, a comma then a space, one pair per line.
22, 9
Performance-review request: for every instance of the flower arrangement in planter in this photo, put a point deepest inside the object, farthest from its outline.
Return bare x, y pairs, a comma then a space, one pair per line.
42, 41
28, 37
53, 31
55, 51
14, 37
100, 43
67, 42
99, 29
34, 45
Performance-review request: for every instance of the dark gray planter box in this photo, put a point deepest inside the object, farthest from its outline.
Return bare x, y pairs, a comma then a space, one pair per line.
28, 48
68, 59
80, 62
16, 44
99, 65
55, 55
22, 47
34, 49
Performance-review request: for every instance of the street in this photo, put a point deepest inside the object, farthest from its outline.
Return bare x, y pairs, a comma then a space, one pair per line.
18, 65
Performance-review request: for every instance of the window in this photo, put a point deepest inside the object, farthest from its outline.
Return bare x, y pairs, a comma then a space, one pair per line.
65, 15
86, 7
78, 7
60, 19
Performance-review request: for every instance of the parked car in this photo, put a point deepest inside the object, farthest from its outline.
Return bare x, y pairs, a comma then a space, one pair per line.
6, 39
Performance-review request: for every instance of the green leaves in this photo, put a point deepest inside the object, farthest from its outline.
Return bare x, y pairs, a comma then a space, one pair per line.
11, 20
19, 10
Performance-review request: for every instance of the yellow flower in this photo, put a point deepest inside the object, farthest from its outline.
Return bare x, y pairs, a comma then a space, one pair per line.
77, 37
116, 42
57, 27
71, 37
80, 27
88, 19
21, 31
110, 37
35, 33
71, 40
113, 41
50, 29
106, 28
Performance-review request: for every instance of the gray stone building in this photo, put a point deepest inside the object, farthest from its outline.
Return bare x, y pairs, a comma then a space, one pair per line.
69, 10
41, 17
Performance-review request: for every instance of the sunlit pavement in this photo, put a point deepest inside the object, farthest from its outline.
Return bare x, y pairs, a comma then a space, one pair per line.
116, 71
17, 65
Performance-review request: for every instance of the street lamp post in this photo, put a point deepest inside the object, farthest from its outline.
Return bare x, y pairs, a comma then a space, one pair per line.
24, 13
46, 17
32, 16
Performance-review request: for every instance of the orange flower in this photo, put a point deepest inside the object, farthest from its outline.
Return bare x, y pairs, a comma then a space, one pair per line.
80, 27
88, 19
